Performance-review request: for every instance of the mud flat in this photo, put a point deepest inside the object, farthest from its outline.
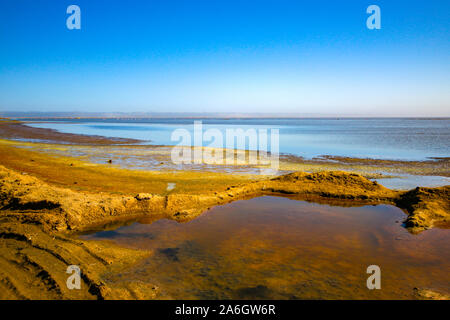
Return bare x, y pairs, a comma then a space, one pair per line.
10, 129
46, 200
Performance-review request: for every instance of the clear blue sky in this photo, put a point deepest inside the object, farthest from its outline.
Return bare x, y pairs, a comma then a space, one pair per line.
226, 56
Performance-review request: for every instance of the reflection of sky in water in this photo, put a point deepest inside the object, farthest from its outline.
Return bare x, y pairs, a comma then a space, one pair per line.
407, 182
408, 139
276, 248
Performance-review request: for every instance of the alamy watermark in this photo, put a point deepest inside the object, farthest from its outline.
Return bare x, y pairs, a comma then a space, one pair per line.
374, 281
374, 20
235, 146
74, 20
74, 280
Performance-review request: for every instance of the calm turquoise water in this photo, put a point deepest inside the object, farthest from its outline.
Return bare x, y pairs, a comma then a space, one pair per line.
406, 139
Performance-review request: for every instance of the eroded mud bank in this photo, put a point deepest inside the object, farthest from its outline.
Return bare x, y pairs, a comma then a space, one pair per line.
69, 210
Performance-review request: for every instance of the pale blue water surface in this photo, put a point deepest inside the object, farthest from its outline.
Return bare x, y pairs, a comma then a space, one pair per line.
382, 138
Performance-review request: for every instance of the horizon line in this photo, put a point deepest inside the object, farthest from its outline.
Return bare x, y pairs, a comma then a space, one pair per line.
192, 115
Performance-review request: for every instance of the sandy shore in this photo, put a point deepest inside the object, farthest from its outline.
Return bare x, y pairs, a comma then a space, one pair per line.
47, 198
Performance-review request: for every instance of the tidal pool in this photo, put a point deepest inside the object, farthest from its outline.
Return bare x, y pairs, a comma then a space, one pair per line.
278, 248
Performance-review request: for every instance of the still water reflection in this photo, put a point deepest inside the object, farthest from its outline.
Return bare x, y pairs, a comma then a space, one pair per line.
277, 248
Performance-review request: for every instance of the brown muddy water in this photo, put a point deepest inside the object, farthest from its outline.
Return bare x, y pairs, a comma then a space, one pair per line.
277, 248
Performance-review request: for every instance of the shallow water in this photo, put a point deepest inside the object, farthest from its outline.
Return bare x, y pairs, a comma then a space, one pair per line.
277, 248
408, 181
398, 138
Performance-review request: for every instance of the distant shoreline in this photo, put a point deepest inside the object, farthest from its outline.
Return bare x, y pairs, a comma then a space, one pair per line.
18, 130
181, 115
